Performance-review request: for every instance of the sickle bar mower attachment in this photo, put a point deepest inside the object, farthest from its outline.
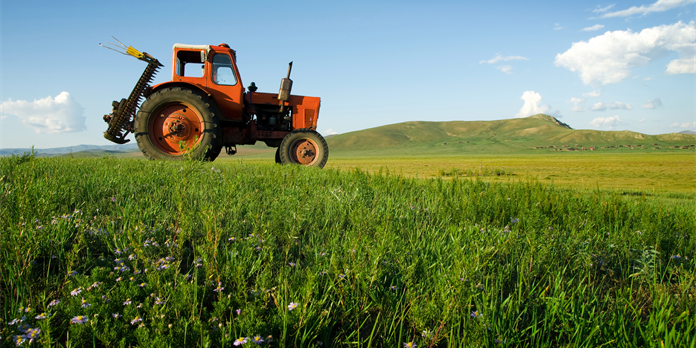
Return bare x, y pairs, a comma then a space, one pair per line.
123, 114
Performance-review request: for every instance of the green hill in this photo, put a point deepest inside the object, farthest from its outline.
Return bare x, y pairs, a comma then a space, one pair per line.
534, 133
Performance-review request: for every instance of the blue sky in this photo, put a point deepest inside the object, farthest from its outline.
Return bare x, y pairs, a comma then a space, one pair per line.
595, 65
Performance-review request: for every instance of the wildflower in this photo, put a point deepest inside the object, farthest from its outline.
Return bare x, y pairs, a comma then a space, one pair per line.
239, 311
32, 334
72, 274
27, 310
140, 305
232, 239
116, 315
476, 314
410, 345
675, 257
198, 262
514, 221
131, 257
341, 275
15, 321
158, 301
257, 340
269, 339
113, 199
292, 306
54, 303
136, 272
292, 264
42, 316
137, 319
80, 319
85, 304
426, 333
142, 285
19, 340
219, 287
127, 302
394, 287
119, 279
76, 291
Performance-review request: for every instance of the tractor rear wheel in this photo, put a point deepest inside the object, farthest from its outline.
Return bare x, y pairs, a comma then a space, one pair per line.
178, 123
305, 147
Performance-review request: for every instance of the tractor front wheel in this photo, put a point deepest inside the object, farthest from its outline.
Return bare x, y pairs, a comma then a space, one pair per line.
304, 147
176, 123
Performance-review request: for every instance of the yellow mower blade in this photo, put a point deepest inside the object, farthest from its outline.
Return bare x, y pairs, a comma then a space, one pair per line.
133, 52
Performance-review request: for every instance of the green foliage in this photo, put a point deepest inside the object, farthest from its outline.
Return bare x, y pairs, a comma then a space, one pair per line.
207, 253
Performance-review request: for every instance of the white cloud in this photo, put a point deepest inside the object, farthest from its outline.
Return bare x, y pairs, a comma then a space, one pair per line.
497, 58
593, 28
579, 104
607, 58
641, 120
613, 106
330, 131
606, 122
603, 9
652, 104
593, 94
505, 68
61, 114
658, 6
532, 105
687, 125
558, 27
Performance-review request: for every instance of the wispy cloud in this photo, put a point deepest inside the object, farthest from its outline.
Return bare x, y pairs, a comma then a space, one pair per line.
557, 26
653, 104
613, 106
593, 28
61, 114
687, 125
608, 58
592, 94
658, 6
606, 122
603, 9
505, 68
330, 131
578, 104
498, 58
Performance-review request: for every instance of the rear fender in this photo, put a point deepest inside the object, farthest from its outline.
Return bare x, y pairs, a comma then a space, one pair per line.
197, 88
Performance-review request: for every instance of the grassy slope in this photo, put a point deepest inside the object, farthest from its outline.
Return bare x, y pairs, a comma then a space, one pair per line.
486, 137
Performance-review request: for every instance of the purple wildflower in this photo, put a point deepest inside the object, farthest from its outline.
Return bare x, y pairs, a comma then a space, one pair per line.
219, 287
292, 306
410, 345
257, 340
80, 319
240, 341
135, 320
54, 303
127, 302
76, 292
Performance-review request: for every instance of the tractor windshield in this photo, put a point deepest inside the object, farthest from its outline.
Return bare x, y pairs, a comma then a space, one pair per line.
222, 72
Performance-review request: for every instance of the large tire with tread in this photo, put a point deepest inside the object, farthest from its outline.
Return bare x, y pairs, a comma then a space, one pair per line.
178, 118
304, 147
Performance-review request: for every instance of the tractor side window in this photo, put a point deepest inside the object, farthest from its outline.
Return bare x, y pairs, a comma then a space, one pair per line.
189, 64
222, 73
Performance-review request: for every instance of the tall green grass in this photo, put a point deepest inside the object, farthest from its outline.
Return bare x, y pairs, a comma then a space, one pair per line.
206, 254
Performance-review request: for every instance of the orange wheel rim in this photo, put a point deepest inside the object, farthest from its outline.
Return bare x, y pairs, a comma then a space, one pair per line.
175, 124
304, 151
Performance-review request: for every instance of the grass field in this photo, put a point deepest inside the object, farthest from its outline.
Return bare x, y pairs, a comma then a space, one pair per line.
117, 252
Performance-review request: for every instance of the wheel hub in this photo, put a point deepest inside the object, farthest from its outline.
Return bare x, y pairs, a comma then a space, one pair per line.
175, 125
304, 151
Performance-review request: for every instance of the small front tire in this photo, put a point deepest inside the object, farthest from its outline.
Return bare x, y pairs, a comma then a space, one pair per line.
304, 147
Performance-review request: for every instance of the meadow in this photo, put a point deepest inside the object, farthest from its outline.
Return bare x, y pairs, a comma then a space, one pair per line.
117, 252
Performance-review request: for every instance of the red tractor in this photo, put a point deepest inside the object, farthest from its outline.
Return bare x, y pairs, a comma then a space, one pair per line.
205, 108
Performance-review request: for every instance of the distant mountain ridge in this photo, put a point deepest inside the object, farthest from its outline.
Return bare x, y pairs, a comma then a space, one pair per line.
69, 149
454, 137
